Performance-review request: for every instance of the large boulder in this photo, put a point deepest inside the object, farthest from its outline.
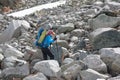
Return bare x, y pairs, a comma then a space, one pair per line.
32, 54
63, 36
13, 30
67, 61
18, 71
90, 74
49, 68
66, 28
105, 37
113, 5
79, 55
94, 62
38, 76
109, 55
114, 78
98, 3
116, 66
11, 51
72, 72
111, 58
107, 21
62, 43
58, 53
79, 62
11, 62
78, 32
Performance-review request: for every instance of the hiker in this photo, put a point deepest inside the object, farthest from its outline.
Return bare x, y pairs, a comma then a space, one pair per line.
47, 41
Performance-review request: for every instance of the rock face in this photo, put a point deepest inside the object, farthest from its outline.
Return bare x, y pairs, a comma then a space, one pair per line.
105, 37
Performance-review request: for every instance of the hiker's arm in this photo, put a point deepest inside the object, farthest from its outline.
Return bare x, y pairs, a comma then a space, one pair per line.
48, 40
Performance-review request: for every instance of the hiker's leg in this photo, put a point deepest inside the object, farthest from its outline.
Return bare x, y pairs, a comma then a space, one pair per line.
49, 53
44, 53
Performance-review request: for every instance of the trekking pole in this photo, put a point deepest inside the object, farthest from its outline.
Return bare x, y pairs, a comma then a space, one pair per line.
56, 40
56, 45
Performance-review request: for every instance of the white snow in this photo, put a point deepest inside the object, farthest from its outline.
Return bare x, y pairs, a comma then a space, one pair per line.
36, 8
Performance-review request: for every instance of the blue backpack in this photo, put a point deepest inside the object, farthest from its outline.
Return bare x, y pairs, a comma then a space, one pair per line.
40, 36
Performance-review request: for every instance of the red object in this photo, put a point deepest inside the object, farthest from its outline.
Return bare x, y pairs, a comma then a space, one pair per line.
50, 32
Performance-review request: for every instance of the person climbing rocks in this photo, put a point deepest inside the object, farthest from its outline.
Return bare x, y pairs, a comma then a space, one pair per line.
45, 44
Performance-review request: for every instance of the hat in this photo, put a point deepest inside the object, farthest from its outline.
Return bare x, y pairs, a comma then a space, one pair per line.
50, 32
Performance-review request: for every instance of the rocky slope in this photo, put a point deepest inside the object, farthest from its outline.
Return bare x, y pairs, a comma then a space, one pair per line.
86, 30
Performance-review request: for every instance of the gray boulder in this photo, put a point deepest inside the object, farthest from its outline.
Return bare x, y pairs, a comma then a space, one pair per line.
114, 78
18, 71
67, 61
79, 55
105, 37
94, 62
74, 39
90, 74
79, 62
116, 66
62, 43
11, 51
98, 3
111, 58
49, 68
32, 54
77, 32
12, 62
107, 21
38, 76
58, 53
72, 72
113, 5
13, 30
66, 28
63, 36
109, 55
